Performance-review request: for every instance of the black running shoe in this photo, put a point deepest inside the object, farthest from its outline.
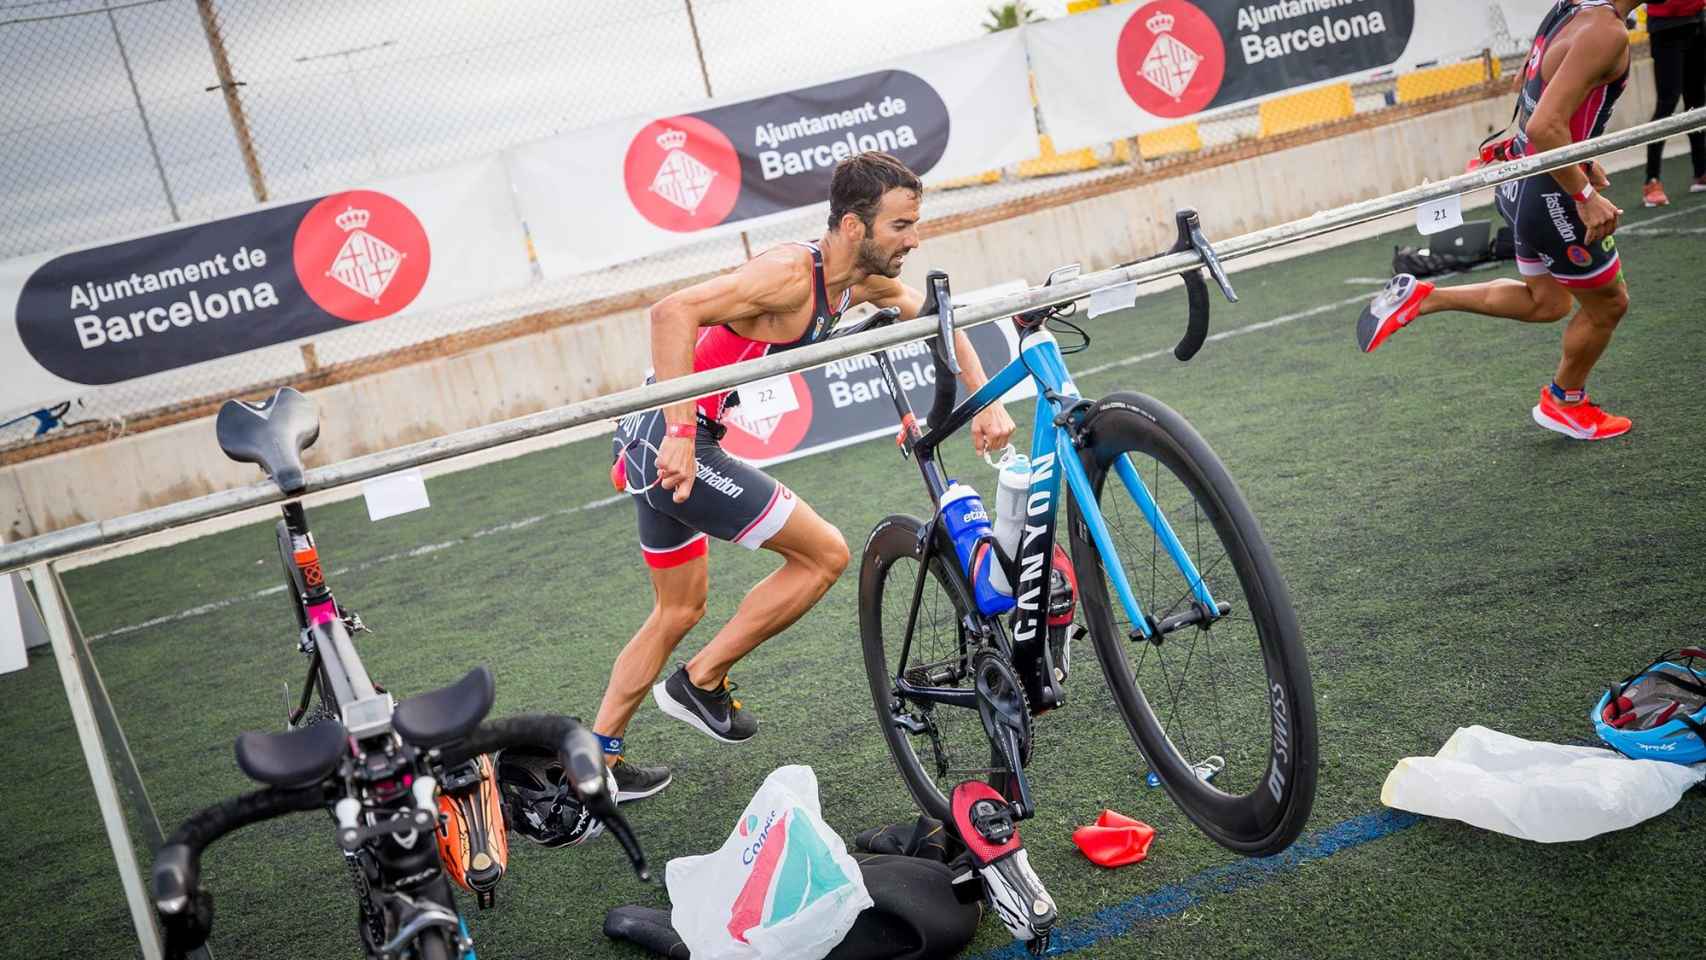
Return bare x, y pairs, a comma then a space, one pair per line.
634, 782
713, 712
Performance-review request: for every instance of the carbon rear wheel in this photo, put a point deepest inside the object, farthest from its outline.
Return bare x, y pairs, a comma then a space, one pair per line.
935, 746
1231, 689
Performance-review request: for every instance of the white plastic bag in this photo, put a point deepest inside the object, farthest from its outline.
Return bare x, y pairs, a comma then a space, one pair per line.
1546, 792
781, 886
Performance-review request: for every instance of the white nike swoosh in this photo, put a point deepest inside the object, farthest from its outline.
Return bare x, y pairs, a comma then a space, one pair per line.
721, 727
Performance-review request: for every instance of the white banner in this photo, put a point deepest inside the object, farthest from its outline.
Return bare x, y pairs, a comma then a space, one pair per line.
1133, 68
99, 315
639, 186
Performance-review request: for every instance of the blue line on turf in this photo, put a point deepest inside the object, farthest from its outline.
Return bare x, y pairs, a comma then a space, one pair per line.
1118, 920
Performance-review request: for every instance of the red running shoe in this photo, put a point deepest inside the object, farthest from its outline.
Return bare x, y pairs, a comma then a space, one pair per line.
1393, 310
1583, 421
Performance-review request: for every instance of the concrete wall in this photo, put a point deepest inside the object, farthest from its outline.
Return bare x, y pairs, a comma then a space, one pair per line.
571, 363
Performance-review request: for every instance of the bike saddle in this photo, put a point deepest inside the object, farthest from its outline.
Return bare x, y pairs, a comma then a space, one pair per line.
272, 433
448, 714
295, 758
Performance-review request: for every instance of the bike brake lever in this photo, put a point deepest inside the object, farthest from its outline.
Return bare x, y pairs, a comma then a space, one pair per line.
583, 763
1201, 245
604, 808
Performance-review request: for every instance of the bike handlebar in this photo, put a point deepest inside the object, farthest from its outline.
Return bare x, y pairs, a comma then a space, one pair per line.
939, 301
187, 910
1196, 290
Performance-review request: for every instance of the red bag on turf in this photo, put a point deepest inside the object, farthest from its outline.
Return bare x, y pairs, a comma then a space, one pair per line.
1115, 840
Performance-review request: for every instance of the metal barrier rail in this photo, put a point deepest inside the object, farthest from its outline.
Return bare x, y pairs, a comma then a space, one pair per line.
63, 543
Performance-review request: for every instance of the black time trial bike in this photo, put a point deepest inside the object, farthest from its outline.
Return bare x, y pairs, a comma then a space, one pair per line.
375, 765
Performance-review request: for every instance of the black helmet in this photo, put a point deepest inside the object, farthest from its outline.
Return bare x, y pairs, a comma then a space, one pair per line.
536, 803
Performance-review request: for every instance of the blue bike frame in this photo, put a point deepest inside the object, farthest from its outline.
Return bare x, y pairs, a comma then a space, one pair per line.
1053, 453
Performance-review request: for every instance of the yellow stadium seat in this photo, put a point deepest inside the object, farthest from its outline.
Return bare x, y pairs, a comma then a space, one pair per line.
1179, 138
975, 180
1307, 109
1049, 163
1421, 84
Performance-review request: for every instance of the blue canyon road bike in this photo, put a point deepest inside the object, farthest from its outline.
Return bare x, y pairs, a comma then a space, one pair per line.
1189, 617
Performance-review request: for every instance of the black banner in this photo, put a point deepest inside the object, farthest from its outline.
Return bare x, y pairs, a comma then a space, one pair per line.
1179, 57
776, 153
159, 302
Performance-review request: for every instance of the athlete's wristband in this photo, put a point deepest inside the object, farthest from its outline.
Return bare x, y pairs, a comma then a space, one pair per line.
1586, 194
686, 431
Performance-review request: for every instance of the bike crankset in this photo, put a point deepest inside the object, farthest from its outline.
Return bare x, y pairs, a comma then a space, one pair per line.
1006, 716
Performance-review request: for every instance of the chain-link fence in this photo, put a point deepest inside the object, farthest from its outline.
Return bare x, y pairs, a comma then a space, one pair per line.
127, 115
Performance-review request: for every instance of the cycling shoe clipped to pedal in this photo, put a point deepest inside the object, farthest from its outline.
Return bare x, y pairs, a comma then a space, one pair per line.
984, 821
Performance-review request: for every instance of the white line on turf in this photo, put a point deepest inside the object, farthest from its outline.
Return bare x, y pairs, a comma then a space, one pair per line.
412, 553
1661, 231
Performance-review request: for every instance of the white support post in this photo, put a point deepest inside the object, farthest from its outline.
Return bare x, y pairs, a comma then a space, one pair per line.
95, 756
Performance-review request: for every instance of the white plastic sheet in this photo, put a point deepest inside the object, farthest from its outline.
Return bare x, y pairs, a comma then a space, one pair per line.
1545, 792
781, 886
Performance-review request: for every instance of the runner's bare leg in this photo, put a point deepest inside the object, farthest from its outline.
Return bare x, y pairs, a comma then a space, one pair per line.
679, 603
813, 557
1539, 299
1590, 332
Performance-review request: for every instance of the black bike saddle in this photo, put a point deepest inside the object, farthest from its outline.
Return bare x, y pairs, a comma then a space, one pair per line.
295, 758
443, 716
272, 433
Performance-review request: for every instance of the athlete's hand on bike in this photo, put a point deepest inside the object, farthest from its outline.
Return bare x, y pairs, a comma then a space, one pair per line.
1601, 217
991, 429
677, 466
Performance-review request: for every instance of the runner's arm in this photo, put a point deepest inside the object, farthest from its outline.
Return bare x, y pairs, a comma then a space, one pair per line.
1592, 60
763, 285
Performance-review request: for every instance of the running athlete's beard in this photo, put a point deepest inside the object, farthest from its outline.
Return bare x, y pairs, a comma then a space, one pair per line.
872, 259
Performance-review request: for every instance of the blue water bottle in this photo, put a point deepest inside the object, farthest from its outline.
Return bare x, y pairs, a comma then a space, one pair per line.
974, 542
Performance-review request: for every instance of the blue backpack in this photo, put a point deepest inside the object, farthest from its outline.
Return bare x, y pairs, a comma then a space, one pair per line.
1658, 713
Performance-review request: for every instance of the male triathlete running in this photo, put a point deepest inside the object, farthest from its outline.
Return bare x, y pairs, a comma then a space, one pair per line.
786, 297
1577, 69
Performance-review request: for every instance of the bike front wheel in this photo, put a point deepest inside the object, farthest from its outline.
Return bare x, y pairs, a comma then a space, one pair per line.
1231, 690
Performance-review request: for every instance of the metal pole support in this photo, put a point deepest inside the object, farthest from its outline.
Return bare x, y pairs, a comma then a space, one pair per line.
58, 623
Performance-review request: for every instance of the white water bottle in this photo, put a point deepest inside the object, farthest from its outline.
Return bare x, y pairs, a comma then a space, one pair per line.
1010, 494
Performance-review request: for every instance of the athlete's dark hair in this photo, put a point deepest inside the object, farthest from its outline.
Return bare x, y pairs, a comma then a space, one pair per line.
860, 182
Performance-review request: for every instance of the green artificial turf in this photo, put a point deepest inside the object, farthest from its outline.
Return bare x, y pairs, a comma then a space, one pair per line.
1450, 563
